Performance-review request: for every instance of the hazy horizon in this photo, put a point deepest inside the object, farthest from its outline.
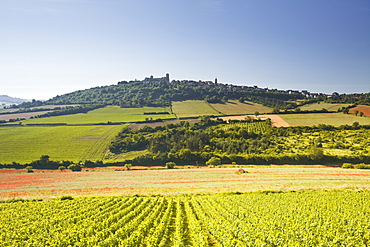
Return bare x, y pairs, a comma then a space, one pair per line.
52, 47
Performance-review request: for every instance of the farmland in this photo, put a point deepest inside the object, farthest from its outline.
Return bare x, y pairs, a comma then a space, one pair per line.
361, 108
116, 181
7, 117
335, 119
193, 108
322, 105
305, 218
75, 143
233, 107
104, 115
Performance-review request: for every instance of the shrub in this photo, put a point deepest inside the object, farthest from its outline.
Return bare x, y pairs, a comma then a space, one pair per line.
61, 168
128, 166
213, 161
170, 165
66, 197
29, 169
75, 167
361, 166
347, 166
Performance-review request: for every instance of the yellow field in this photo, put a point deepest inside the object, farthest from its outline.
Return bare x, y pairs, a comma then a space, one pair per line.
193, 108
234, 107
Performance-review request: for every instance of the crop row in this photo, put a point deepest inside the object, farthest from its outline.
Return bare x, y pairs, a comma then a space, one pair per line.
310, 218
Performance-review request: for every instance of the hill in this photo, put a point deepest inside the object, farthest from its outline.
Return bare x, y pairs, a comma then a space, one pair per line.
139, 93
7, 100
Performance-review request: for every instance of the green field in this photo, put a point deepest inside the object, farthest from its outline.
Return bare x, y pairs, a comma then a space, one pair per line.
305, 218
74, 143
322, 105
104, 115
193, 108
234, 107
335, 119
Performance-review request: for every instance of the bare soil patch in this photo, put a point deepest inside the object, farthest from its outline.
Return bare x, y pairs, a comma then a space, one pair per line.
155, 124
361, 108
276, 120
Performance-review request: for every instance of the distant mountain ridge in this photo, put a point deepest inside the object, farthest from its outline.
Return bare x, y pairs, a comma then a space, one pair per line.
7, 100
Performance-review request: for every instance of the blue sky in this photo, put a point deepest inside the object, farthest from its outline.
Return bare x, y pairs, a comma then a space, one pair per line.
51, 47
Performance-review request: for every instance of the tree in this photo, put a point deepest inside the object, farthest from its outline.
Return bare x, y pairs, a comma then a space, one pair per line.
356, 112
361, 113
316, 153
128, 166
62, 168
256, 113
214, 161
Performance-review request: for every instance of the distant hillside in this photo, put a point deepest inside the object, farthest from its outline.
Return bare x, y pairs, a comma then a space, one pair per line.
7, 100
140, 93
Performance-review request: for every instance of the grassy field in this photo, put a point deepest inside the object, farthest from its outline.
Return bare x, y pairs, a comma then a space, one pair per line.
233, 107
107, 181
75, 143
107, 114
335, 119
321, 105
193, 108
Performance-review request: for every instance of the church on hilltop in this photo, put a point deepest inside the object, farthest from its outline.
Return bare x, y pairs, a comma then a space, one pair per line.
160, 79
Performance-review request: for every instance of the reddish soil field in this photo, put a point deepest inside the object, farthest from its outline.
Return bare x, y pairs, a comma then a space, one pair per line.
361, 108
115, 181
155, 124
26, 115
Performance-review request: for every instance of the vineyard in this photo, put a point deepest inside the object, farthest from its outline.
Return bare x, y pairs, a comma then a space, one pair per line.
303, 218
256, 127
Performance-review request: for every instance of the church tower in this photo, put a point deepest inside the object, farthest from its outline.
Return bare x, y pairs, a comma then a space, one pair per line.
168, 78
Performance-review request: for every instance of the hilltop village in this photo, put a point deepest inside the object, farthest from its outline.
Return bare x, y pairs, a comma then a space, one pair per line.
230, 87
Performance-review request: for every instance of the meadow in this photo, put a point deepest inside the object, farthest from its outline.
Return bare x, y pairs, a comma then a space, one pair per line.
322, 105
193, 108
105, 115
75, 143
234, 107
335, 119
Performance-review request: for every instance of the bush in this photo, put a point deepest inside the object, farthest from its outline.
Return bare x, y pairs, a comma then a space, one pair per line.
75, 167
361, 166
61, 168
170, 165
347, 166
67, 197
213, 161
29, 169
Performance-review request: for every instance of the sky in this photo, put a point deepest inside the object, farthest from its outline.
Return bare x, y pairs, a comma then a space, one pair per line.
52, 47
